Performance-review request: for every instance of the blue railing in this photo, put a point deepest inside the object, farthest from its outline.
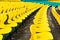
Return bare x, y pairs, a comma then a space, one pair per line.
43, 2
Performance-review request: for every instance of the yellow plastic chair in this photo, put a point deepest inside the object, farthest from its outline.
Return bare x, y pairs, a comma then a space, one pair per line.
22, 11
40, 21
11, 15
45, 35
5, 30
2, 21
39, 28
1, 37
18, 19
42, 36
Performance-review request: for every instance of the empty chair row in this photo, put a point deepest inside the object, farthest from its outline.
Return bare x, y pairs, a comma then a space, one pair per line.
10, 18
40, 29
15, 16
56, 15
11, 5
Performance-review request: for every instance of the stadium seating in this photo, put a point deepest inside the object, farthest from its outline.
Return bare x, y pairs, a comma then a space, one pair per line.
12, 13
56, 15
40, 29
